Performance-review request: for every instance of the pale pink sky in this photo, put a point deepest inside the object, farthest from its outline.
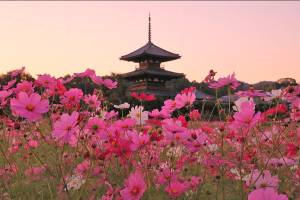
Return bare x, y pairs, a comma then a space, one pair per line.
257, 40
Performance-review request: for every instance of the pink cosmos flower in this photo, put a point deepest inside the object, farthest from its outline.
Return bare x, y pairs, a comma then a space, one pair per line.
45, 81
4, 94
92, 101
9, 85
24, 86
284, 161
83, 167
35, 172
138, 140
295, 115
169, 105
66, 129
262, 180
96, 126
246, 115
109, 115
175, 188
125, 123
135, 187
87, 73
186, 97
173, 130
110, 84
66, 80
106, 82
30, 107
194, 182
72, 96
57, 88
33, 144
165, 175
197, 139
266, 194
159, 114
17, 72
230, 81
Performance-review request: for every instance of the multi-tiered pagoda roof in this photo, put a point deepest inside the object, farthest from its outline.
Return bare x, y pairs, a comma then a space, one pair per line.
150, 76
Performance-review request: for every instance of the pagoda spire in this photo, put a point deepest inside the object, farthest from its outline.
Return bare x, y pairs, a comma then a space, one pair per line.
149, 28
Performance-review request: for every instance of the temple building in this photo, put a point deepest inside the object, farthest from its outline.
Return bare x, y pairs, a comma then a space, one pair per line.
150, 77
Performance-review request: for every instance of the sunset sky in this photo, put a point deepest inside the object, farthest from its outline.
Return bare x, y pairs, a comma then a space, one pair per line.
256, 40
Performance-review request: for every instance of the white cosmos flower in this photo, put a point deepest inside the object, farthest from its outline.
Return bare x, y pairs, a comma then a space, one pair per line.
138, 114
75, 182
122, 106
239, 102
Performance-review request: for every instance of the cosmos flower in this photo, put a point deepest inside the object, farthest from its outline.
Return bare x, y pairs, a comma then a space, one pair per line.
137, 140
4, 94
96, 126
143, 96
122, 106
138, 114
246, 116
239, 101
230, 81
45, 81
87, 73
186, 97
173, 130
30, 107
17, 72
9, 85
266, 194
92, 101
74, 182
176, 188
24, 86
135, 187
72, 96
110, 84
263, 180
65, 129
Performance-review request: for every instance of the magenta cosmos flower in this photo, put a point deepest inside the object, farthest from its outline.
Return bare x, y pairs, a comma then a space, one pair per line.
230, 81
135, 187
266, 194
96, 126
72, 96
246, 116
66, 129
30, 107
176, 188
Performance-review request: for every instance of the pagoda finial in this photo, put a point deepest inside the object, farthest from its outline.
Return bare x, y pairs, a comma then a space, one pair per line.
149, 29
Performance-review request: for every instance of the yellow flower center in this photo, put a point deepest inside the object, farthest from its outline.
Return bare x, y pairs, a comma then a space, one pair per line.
30, 107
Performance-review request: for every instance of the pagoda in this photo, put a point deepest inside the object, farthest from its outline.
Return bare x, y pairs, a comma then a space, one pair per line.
150, 77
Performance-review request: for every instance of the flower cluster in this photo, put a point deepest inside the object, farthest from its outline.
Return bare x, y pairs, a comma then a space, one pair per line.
61, 142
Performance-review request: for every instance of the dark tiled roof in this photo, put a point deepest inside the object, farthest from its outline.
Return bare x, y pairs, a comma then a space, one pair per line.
150, 50
154, 72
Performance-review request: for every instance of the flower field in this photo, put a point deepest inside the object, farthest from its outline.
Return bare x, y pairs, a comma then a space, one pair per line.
62, 142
